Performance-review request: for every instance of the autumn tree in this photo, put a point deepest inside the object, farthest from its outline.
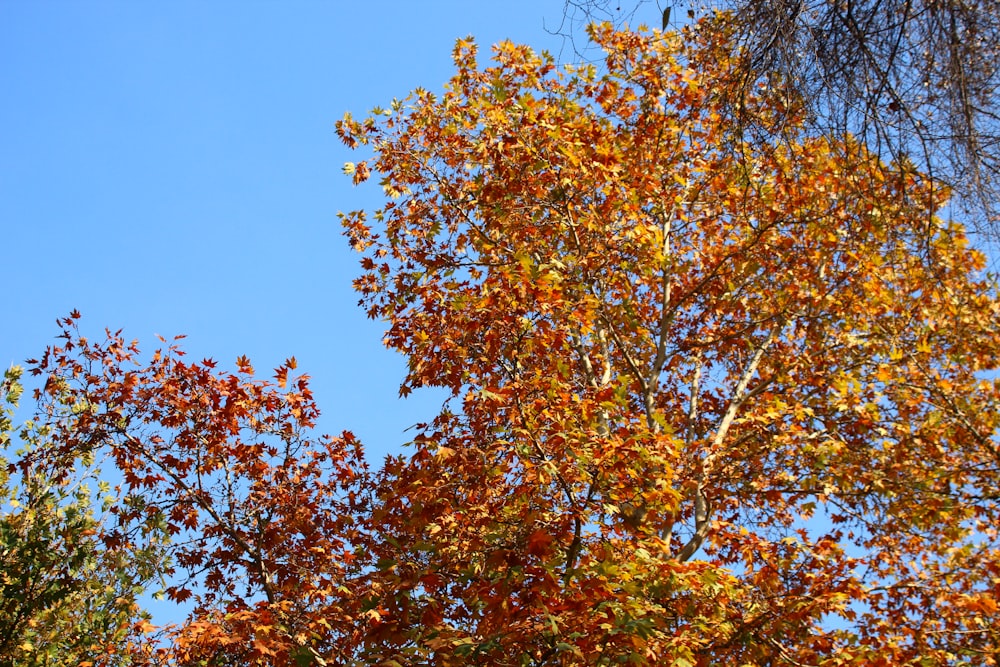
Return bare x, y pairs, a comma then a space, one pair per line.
909, 77
713, 401
266, 540
66, 598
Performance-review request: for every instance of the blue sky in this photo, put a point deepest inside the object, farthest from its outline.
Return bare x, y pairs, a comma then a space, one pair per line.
171, 168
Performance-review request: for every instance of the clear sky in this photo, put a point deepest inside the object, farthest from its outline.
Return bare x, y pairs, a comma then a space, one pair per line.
171, 168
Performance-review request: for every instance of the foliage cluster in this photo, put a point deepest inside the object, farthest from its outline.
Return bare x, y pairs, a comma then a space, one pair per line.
711, 402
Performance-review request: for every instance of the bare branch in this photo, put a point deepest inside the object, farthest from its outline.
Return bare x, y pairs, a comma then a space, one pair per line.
703, 507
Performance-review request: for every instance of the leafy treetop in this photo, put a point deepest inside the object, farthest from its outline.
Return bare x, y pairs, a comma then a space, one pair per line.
712, 401
709, 394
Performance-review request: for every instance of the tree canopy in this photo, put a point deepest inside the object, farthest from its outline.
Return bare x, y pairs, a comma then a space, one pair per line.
912, 78
67, 596
711, 401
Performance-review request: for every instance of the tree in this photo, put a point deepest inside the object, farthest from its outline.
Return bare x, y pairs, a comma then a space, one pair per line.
263, 520
707, 406
714, 401
66, 598
915, 78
